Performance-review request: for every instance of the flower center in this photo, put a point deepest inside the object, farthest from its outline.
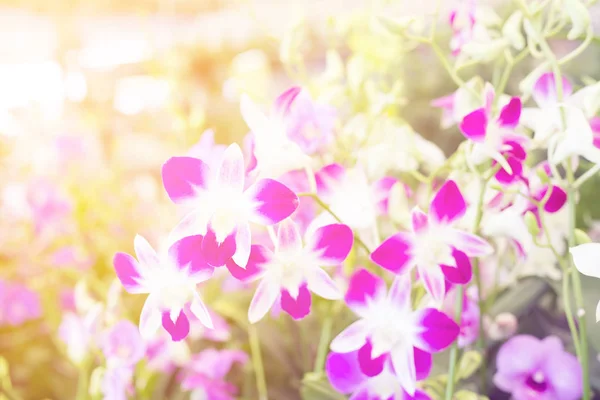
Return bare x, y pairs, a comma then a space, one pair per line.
432, 250
537, 382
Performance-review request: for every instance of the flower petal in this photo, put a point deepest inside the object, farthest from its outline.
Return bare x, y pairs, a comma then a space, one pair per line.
150, 317
585, 257
322, 285
471, 245
400, 292
343, 372
265, 296
232, 170
350, 339
193, 223
434, 281
394, 254
556, 200
259, 255
368, 365
285, 100
179, 328
544, 90
437, 330
218, 253
328, 177
271, 201
243, 243
185, 254
519, 355
298, 307
403, 360
462, 272
419, 220
200, 311
184, 177
423, 363
565, 373
144, 252
288, 237
448, 204
474, 125
510, 113
128, 272
362, 286
332, 243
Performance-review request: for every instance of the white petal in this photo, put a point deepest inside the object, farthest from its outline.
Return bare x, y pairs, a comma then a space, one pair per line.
320, 283
586, 258
256, 120
243, 242
144, 252
403, 360
199, 310
150, 318
265, 296
194, 223
598, 312
350, 339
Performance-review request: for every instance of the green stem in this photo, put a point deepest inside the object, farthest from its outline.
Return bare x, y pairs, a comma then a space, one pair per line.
259, 371
481, 335
587, 175
324, 342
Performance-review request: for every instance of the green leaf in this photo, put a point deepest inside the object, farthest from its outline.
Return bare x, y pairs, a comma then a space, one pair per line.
469, 363
316, 387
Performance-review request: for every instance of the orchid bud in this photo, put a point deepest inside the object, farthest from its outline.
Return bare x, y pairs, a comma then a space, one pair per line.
503, 326
532, 224
581, 237
485, 51
579, 16
512, 30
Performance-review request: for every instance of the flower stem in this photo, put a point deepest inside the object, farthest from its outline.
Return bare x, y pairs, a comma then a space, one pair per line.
324, 342
481, 334
259, 371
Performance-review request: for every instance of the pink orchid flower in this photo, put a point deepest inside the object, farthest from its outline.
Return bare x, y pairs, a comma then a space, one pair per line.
169, 278
435, 247
116, 383
205, 374
348, 376
469, 320
122, 345
222, 207
495, 138
462, 21
19, 304
293, 270
389, 328
207, 150
79, 333
530, 368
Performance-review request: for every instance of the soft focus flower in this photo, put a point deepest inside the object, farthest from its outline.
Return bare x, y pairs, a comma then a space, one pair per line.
170, 278
503, 326
347, 376
207, 150
462, 22
585, 258
435, 247
220, 332
122, 345
222, 209
469, 317
79, 333
530, 368
293, 270
389, 328
116, 383
19, 304
205, 374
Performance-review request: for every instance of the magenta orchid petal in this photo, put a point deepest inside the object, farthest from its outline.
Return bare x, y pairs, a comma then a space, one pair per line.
288, 237
332, 243
298, 307
243, 243
419, 220
474, 125
327, 177
265, 296
544, 90
368, 365
231, 172
186, 256
564, 372
343, 372
271, 201
556, 200
462, 272
351, 339
423, 363
395, 253
284, 101
510, 113
322, 285
363, 286
438, 331
128, 272
448, 205
184, 177
259, 255
179, 328
403, 360
505, 177
434, 281
218, 253
470, 244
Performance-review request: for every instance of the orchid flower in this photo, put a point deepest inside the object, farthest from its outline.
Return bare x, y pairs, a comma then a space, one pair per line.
293, 270
388, 328
122, 345
347, 376
495, 138
222, 209
585, 258
79, 333
462, 22
469, 317
169, 278
435, 247
19, 304
274, 151
207, 150
530, 368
